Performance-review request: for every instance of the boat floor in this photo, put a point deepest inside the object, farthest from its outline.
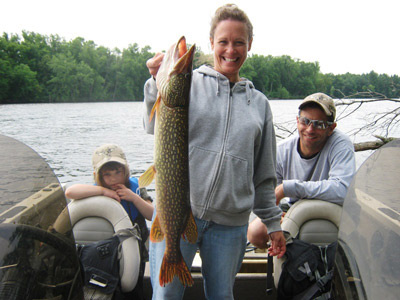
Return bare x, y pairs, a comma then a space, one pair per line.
250, 282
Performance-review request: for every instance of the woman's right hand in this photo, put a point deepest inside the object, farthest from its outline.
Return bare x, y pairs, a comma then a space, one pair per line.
153, 64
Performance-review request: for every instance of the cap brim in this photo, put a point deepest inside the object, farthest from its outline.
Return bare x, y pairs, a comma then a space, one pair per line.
107, 160
326, 110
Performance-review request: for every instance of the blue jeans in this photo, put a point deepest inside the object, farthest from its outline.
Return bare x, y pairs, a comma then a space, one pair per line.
222, 250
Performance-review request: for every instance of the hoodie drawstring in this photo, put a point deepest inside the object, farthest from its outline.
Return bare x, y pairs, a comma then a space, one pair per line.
247, 87
217, 84
248, 92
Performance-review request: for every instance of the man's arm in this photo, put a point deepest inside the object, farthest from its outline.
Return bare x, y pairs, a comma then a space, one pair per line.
341, 164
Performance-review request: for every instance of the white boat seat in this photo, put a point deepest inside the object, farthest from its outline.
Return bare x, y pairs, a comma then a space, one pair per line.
313, 221
318, 232
92, 229
97, 218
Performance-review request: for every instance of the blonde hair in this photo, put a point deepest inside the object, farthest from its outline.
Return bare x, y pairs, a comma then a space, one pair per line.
110, 166
230, 12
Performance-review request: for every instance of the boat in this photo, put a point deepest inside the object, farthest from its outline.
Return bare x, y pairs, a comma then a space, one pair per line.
367, 261
36, 261
40, 261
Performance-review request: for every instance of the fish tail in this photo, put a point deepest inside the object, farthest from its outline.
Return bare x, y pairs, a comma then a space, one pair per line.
156, 233
169, 270
190, 233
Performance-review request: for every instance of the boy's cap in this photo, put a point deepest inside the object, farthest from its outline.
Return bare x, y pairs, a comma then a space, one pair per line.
108, 153
324, 101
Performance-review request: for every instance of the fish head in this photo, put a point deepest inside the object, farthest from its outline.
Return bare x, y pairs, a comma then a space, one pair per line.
175, 74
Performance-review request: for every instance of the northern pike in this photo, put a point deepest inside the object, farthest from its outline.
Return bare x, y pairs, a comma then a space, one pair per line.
174, 218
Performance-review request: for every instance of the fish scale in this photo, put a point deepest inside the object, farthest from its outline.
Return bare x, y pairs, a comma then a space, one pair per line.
174, 218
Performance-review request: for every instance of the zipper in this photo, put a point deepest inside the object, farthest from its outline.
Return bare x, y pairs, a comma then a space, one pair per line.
222, 155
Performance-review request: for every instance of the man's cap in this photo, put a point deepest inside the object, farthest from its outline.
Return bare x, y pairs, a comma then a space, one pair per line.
108, 153
322, 100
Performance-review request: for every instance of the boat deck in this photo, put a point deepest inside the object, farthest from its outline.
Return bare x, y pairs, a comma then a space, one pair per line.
250, 282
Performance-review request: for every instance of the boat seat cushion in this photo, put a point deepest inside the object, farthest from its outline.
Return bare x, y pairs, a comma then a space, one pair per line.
318, 232
97, 218
92, 229
313, 221
304, 211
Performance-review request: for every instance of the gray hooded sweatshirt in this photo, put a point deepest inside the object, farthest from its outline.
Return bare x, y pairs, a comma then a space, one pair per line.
232, 150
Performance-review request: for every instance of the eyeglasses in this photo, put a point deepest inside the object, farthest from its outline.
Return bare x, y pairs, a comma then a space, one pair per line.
317, 124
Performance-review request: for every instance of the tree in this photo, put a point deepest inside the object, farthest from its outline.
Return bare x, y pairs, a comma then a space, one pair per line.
132, 73
101, 74
72, 81
17, 80
5, 71
35, 53
256, 69
23, 83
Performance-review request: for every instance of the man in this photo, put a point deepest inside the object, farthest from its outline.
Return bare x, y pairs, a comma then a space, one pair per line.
317, 163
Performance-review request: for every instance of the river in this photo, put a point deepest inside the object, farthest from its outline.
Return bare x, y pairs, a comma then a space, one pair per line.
66, 134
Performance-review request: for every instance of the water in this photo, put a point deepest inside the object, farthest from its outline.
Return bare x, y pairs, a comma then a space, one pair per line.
66, 134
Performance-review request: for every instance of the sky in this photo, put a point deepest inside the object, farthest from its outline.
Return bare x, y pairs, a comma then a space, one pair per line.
355, 36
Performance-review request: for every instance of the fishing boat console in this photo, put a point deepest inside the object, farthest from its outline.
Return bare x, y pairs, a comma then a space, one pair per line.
37, 262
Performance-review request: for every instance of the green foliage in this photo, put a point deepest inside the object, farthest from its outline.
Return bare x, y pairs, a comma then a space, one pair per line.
282, 77
37, 68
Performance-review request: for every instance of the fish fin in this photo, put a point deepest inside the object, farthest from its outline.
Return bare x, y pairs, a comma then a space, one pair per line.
147, 177
190, 233
156, 233
170, 269
155, 107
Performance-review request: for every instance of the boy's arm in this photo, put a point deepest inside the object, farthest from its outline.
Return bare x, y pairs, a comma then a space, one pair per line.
80, 191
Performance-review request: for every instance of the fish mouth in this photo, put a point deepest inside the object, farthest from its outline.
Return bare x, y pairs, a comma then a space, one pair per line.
177, 60
182, 57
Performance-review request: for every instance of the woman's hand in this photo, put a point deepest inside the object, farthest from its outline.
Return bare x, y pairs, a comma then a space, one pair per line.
278, 244
153, 64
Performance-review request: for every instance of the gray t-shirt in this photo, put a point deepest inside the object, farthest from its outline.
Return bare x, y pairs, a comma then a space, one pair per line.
325, 176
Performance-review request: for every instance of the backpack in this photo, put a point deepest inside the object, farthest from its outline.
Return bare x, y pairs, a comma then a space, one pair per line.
100, 265
307, 272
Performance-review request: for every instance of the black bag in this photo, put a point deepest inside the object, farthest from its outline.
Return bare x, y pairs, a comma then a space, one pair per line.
307, 271
100, 265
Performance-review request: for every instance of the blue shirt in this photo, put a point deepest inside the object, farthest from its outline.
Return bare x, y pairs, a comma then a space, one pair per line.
129, 206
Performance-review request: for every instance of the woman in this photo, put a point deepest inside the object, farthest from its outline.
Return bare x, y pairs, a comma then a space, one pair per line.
231, 160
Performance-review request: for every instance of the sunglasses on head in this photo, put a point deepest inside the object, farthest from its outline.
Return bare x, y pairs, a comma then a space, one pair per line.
318, 124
